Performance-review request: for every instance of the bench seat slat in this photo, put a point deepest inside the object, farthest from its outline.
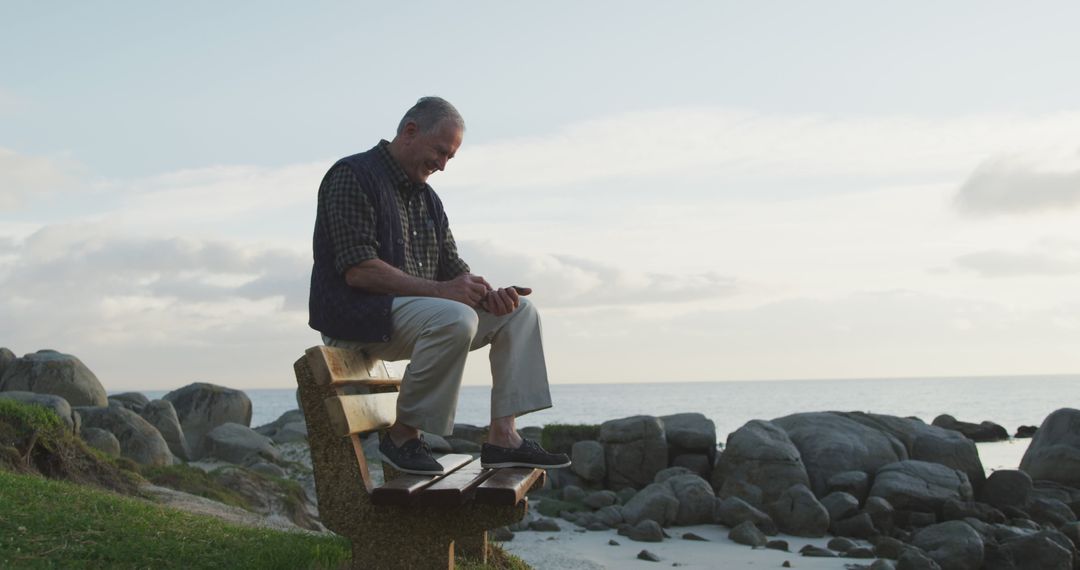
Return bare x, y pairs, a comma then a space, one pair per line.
508, 486
454, 489
362, 412
339, 366
403, 489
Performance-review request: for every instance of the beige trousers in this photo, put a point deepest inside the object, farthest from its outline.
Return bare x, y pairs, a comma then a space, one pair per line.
436, 335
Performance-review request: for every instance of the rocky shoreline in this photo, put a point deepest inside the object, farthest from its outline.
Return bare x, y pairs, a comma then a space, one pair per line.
892, 492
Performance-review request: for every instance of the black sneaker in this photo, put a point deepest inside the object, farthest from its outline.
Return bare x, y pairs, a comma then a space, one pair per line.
414, 456
530, 454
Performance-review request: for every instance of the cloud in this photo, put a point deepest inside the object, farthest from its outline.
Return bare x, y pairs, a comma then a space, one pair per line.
1044, 258
22, 176
1019, 185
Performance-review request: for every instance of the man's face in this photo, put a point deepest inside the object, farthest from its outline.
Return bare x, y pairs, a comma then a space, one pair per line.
427, 152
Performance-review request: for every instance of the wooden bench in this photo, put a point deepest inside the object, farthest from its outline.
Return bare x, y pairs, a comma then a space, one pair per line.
411, 521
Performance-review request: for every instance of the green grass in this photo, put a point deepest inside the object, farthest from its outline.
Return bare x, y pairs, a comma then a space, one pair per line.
194, 481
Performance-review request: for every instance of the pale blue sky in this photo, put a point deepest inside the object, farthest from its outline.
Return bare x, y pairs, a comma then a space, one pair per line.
737, 190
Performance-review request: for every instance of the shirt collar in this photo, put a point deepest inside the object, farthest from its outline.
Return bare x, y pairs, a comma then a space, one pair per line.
401, 180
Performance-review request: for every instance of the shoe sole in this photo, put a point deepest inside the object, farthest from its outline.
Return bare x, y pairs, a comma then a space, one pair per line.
507, 464
410, 471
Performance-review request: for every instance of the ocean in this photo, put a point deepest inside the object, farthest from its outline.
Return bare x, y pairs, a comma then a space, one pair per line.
1007, 400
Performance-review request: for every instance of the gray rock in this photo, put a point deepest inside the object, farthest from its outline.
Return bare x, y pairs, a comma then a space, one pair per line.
269, 469
625, 494
501, 534
778, 545
101, 440
860, 525
953, 510
733, 511
610, 516
202, 407
6, 359
139, 441
1054, 452
161, 415
816, 552
888, 547
799, 513
50, 372
980, 432
635, 449
920, 486
953, 545
696, 499
133, 401
646, 531
748, 534
854, 483
1050, 512
468, 432
588, 460
664, 474
437, 442
915, 559
239, 445
1038, 551
49, 401
831, 443
655, 502
690, 432
648, 556
1007, 488
882, 565
863, 552
841, 544
758, 464
600, 499
694, 537
544, 524
463, 445
696, 463
840, 505
573, 493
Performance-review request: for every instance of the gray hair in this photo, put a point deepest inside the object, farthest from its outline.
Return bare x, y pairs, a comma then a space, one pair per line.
428, 113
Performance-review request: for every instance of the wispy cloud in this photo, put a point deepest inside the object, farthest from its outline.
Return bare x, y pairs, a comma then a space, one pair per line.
22, 176
1045, 258
1020, 185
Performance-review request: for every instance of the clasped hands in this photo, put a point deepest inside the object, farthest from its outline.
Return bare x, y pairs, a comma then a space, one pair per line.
476, 292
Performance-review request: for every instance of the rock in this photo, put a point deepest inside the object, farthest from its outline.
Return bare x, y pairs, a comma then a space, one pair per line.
646, 555
860, 525
101, 440
830, 443
1050, 512
625, 494
778, 545
49, 401
882, 565
596, 525
690, 432
748, 534
881, 513
985, 431
1045, 489
655, 502
613, 542
664, 474
1039, 551
696, 499
269, 469
588, 460
600, 499
1024, 432
799, 513
920, 486
840, 505
758, 464
610, 516
1072, 532
1054, 452
812, 551
916, 519
289, 427
954, 510
161, 415
561, 478
501, 534
646, 531
50, 372
1007, 488
437, 442
6, 359
468, 432
888, 547
544, 524
573, 493
914, 559
953, 545
697, 463
201, 407
841, 544
270, 496
133, 401
139, 441
854, 483
635, 449
239, 445
732, 511
694, 537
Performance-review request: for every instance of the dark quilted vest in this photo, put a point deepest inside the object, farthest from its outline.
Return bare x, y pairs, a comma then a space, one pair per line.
343, 312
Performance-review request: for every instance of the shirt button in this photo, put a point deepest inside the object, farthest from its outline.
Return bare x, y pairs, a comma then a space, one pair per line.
414, 232
400, 241
420, 263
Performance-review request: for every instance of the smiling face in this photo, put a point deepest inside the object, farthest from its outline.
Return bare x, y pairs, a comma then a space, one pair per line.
421, 154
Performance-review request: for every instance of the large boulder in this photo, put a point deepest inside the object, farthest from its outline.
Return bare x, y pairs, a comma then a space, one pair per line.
696, 499
587, 460
690, 433
733, 511
134, 401
101, 440
1038, 551
162, 415
239, 444
1054, 452
635, 450
54, 403
980, 432
290, 427
6, 358
920, 486
798, 512
202, 407
655, 502
758, 464
954, 545
50, 372
831, 443
1007, 488
139, 441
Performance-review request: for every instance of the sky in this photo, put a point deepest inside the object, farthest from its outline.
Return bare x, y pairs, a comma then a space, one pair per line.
695, 190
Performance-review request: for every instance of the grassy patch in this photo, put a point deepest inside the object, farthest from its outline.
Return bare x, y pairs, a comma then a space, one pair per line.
559, 438
53, 524
196, 482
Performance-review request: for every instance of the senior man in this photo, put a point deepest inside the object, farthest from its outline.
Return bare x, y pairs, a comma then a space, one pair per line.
387, 280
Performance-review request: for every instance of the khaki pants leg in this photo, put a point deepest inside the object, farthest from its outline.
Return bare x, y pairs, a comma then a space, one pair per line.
437, 334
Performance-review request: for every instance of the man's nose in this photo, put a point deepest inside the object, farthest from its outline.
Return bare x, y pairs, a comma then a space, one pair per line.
441, 162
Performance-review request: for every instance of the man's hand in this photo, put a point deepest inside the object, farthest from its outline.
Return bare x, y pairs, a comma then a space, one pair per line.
503, 301
465, 288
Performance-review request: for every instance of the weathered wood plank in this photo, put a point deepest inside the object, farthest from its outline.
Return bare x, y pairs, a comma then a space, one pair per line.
403, 489
508, 486
331, 365
361, 413
456, 488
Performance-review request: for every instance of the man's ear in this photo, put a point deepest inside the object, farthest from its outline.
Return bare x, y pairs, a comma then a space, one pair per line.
409, 132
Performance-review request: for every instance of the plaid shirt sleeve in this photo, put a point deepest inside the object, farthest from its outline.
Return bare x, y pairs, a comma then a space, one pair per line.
450, 265
350, 219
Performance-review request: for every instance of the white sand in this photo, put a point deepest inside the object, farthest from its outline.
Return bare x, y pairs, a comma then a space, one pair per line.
572, 550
